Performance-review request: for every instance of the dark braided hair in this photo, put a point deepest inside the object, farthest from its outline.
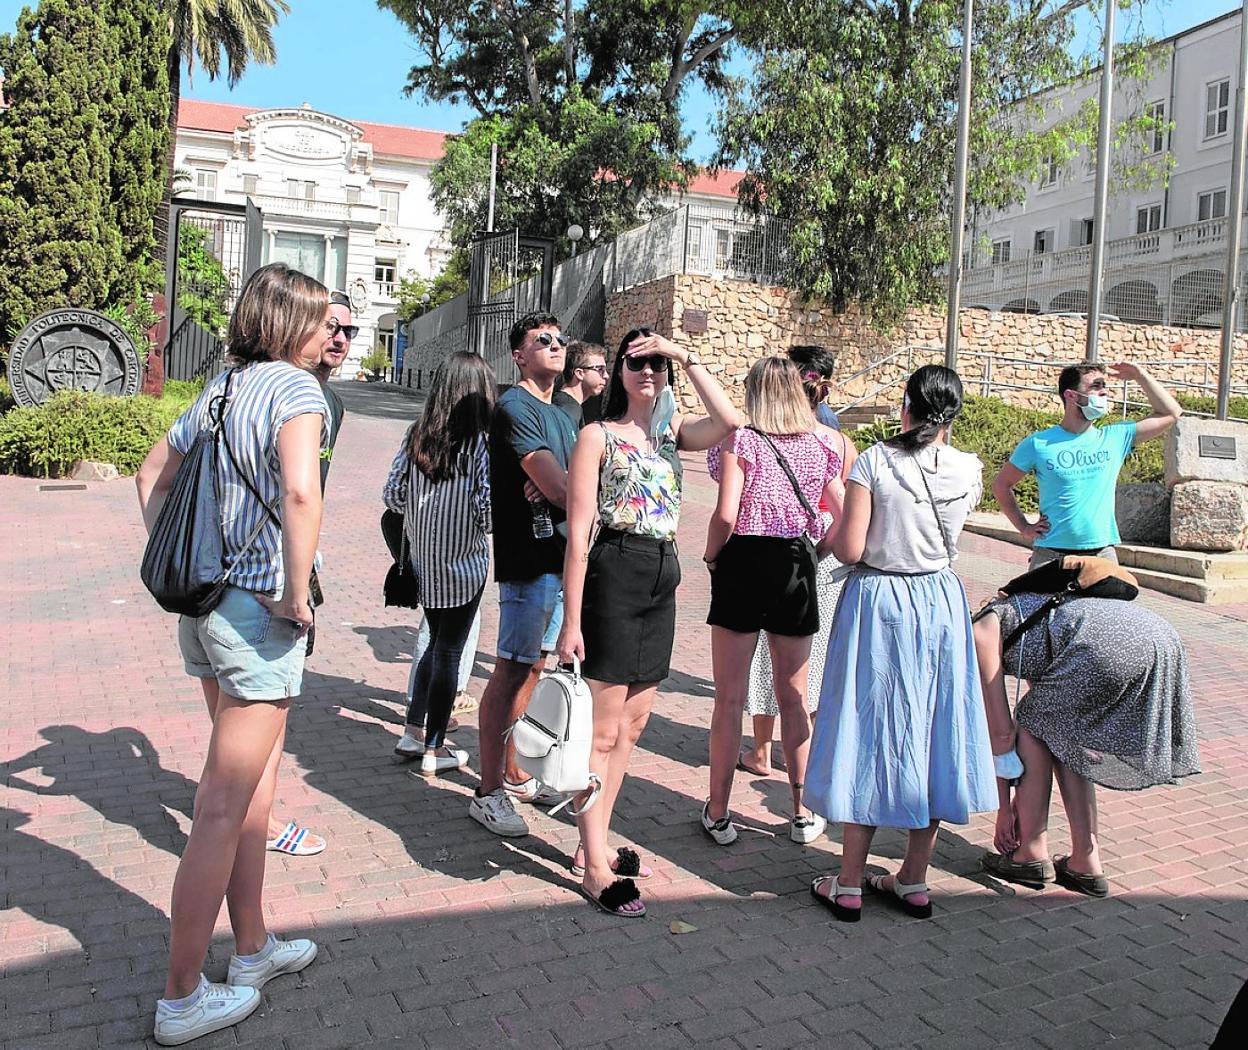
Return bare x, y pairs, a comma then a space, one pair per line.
933, 399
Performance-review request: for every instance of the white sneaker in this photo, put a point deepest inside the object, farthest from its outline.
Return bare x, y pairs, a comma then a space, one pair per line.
218, 1006
533, 792
283, 957
409, 747
431, 763
807, 829
722, 831
497, 813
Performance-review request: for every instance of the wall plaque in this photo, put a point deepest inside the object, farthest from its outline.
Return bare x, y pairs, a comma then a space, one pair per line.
1215, 446
72, 350
694, 322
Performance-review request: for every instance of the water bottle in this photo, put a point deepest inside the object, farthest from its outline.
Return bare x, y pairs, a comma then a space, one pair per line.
543, 527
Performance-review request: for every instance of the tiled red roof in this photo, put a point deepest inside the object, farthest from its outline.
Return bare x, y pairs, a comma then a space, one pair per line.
719, 184
387, 139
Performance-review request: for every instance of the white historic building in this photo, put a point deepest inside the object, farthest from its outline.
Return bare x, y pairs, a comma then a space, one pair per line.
345, 201
1035, 255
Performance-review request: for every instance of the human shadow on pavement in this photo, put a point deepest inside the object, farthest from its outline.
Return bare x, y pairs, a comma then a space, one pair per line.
394, 645
117, 772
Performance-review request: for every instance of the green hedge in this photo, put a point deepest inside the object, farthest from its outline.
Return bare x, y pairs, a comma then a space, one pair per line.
991, 429
46, 441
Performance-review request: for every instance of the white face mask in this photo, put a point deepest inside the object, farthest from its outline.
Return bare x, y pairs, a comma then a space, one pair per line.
661, 415
1097, 406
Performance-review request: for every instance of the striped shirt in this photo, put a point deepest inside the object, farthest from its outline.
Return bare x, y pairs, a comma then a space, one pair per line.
263, 397
447, 525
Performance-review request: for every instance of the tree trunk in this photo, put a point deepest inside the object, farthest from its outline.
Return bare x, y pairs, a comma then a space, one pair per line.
569, 42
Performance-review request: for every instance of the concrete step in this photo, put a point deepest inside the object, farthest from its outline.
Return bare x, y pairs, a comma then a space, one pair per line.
1195, 576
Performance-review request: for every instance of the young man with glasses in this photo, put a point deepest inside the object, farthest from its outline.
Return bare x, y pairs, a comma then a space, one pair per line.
530, 442
584, 378
1076, 464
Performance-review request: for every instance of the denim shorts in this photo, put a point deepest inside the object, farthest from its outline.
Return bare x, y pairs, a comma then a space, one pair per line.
530, 616
252, 654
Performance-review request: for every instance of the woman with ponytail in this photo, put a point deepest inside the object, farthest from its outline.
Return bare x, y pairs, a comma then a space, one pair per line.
901, 739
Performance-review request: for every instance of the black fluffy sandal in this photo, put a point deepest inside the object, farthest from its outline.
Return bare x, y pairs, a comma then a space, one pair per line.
613, 899
628, 865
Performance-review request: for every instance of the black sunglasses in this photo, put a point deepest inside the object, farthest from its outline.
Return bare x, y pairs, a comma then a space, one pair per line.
657, 363
349, 331
546, 339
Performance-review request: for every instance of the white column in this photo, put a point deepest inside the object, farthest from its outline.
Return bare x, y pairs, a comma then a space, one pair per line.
326, 277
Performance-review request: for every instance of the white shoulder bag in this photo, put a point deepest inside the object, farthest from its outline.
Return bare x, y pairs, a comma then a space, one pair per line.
554, 736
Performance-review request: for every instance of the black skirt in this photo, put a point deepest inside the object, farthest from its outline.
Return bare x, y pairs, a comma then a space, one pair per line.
766, 583
628, 612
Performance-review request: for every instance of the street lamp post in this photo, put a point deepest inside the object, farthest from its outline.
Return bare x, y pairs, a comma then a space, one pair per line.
1235, 214
1097, 272
575, 233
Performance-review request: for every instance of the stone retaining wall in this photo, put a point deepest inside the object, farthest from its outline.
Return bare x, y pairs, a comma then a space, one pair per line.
745, 321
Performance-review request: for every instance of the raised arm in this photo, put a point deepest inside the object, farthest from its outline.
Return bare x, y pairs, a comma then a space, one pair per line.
1166, 410
582, 489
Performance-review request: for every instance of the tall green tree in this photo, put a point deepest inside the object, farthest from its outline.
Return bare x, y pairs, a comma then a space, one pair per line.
847, 130
583, 99
217, 36
59, 242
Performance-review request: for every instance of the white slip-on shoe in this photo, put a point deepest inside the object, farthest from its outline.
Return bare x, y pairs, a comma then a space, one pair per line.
218, 1006
497, 813
283, 957
721, 831
533, 792
807, 829
409, 747
431, 763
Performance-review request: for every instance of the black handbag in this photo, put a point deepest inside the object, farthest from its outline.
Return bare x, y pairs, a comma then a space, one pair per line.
184, 562
402, 588
1071, 576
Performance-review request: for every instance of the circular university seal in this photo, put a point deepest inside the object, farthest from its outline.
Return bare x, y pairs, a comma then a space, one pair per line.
72, 349
359, 295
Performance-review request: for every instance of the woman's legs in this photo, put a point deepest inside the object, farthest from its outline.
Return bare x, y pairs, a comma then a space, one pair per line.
731, 653
790, 658
913, 871
1079, 802
1032, 797
273, 826
245, 739
758, 756
610, 734
448, 632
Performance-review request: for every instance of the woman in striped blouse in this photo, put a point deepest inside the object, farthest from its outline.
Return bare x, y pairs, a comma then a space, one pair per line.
440, 483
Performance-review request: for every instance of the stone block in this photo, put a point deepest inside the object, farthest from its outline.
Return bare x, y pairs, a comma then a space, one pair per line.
1184, 461
1143, 512
1209, 516
89, 470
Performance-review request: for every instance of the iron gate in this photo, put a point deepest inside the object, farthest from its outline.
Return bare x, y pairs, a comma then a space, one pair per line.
213, 249
510, 275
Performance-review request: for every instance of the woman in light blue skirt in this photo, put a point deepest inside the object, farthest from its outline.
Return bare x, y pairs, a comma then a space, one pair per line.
901, 739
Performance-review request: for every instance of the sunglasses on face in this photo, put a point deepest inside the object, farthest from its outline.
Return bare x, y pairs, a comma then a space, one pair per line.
349, 331
600, 369
550, 338
657, 363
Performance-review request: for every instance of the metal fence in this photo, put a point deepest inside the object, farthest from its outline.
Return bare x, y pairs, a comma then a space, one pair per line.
1172, 276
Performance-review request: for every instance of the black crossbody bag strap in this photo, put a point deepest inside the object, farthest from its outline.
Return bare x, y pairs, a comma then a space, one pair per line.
940, 522
784, 465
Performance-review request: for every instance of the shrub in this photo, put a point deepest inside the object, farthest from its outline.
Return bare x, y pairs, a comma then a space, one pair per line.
991, 429
6, 395
376, 361
47, 440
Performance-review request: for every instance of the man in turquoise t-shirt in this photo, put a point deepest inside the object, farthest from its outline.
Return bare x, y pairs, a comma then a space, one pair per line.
1076, 464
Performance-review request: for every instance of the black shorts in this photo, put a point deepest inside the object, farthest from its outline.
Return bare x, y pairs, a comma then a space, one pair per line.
628, 611
765, 583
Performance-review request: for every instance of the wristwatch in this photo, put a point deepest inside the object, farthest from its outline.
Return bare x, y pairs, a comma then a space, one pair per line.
692, 359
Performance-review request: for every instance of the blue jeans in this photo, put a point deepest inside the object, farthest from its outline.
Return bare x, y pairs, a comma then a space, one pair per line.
530, 616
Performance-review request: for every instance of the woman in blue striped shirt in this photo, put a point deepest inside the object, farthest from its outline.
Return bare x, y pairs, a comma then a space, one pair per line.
440, 483
248, 652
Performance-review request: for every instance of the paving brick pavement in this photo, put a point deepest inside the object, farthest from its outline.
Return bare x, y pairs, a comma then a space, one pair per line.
436, 934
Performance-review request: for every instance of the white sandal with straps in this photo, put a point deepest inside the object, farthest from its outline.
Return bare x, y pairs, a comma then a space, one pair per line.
897, 893
839, 911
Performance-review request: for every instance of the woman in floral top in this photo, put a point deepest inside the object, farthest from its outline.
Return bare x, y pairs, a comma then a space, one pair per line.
619, 597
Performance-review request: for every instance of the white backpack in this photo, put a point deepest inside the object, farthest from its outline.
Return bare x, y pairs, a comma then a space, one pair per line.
553, 738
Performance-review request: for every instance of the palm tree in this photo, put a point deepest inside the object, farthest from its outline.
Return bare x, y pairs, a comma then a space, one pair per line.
201, 33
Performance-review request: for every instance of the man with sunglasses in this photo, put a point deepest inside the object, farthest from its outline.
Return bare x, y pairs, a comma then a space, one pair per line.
1076, 464
530, 442
339, 331
584, 379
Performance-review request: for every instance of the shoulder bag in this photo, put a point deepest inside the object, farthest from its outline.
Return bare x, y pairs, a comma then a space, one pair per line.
1072, 576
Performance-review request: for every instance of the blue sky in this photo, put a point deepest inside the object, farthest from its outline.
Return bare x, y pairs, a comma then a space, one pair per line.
350, 58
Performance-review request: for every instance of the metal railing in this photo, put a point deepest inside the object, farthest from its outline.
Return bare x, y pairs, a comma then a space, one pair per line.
1171, 276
